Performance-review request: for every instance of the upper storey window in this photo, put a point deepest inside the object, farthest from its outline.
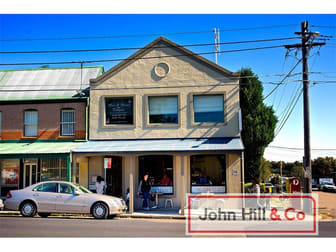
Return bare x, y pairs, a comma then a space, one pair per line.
208, 108
67, 122
30, 123
163, 109
119, 111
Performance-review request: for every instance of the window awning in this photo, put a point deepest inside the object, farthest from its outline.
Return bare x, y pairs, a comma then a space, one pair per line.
161, 145
22, 148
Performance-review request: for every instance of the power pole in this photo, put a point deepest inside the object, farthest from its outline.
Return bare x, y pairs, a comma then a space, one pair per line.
306, 45
217, 43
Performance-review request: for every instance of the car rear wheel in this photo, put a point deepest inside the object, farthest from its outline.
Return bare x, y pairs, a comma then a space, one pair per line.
44, 215
28, 209
99, 211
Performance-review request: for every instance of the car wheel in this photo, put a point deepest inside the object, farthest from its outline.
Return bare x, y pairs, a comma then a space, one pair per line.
28, 209
99, 211
44, 215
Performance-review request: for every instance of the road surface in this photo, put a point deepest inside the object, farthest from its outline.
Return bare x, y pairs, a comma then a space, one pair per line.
17, 226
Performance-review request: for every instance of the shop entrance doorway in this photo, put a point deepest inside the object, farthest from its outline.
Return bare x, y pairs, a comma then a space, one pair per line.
30, 173
114, 177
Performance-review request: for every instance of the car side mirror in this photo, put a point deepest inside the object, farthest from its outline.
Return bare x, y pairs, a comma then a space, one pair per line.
77, 193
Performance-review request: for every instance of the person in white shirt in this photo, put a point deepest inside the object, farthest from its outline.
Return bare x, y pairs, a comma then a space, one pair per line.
100, 185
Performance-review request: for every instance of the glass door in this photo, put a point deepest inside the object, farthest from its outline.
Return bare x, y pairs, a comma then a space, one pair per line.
30, 174
114, 177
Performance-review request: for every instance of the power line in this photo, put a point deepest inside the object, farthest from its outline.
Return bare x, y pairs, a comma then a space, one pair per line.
324, 26
291, 100
145, 35
297, 148
28, 87
259, 28
138, 48
275, 88
135, 58
288, 115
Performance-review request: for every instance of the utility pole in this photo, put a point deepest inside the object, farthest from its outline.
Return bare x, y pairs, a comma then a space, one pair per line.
306, 45
217, 43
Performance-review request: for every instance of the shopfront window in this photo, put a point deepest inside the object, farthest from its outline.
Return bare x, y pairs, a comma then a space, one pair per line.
30, 123
54, 169
208, 174
9, 176
160, 170
163, 109
118, 110
208, 108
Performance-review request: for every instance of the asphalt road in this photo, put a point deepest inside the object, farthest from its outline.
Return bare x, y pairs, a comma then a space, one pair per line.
17, 226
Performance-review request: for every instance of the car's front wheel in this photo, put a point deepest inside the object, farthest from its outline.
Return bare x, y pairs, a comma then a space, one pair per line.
99, 211
28, 209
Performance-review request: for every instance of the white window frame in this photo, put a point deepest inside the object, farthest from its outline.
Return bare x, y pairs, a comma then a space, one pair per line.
29, 124
68, 123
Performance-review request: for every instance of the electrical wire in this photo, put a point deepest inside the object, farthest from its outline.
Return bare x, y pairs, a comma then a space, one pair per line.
296, 148
146, 35
137, 58
288, 115
275, 88
138, 48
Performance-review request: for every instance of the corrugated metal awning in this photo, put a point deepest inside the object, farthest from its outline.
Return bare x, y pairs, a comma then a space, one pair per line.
37, 148
161, 145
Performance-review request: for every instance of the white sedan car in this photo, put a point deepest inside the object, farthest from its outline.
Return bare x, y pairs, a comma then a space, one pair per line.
1, 204
62, 197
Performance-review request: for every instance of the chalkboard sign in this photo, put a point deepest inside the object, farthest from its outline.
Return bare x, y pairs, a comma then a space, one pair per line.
118, 110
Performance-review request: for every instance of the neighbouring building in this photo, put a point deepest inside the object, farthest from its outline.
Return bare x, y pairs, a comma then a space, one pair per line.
169, 112
43, 115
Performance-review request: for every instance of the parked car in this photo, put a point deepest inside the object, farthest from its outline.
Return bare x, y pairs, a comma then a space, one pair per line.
63, 197
1, 205
328, 187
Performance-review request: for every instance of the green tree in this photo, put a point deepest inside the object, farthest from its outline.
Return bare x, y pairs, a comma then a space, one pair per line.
265, 171
258, 120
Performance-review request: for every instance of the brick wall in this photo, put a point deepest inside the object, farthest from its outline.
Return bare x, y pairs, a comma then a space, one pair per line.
49, 116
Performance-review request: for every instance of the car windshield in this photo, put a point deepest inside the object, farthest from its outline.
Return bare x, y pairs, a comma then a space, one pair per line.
83, 189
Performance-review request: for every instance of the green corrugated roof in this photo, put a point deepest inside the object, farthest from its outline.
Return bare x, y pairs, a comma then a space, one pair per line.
37, 148
46, 83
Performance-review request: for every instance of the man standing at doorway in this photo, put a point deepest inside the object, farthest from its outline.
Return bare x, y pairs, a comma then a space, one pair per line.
144, 189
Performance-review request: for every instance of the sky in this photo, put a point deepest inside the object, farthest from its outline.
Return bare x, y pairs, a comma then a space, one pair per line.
322, 61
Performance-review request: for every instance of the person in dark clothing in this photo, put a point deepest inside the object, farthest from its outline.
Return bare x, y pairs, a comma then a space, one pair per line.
144, 189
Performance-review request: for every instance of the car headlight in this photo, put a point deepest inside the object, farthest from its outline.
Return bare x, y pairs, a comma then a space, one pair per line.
116, 203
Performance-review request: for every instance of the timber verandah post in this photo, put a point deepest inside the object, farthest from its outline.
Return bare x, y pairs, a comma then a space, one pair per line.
131, 184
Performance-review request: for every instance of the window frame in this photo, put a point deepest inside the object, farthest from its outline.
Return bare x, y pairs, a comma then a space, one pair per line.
207, 124
139, 178
107, 126
72, 187
225, 171
43, 184
172, 125
68, 123
24, 123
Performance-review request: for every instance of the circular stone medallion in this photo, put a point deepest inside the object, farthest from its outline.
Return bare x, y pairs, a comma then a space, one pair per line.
161, 70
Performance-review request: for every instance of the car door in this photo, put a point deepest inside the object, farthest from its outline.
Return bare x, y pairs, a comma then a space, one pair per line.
45, 195
68, 200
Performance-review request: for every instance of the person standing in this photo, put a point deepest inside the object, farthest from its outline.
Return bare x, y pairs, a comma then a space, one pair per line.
144, 189
100, 185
